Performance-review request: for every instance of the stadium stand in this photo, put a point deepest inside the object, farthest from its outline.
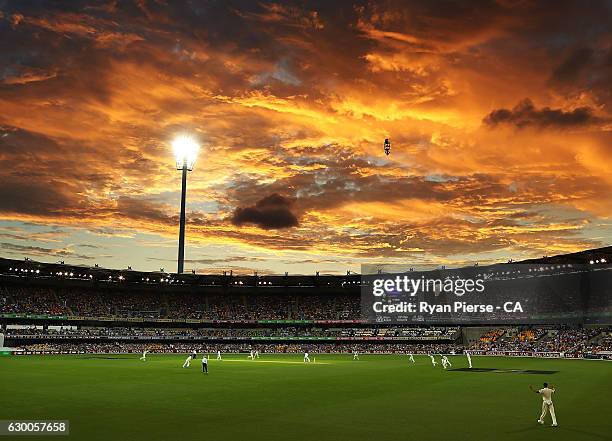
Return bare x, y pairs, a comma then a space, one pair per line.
58, 308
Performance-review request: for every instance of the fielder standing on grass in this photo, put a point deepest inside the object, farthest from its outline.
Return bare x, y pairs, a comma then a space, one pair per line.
547, 404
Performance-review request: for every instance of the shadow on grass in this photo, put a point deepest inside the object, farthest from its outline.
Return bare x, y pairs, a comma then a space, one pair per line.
505, 371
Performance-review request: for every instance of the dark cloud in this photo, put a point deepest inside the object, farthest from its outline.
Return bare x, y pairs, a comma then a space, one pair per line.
30, 250
143, 210
271, 212
573, 65
38, 198
525, 114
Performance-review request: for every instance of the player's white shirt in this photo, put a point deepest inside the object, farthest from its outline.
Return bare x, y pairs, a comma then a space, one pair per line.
204, 360
305, 354
546, 393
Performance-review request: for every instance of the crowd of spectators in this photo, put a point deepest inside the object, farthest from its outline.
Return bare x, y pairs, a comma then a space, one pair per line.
253, 307
318, 348
539, 339
577, 341
177, 305
68, 332
31, 301
603, 344
568, 340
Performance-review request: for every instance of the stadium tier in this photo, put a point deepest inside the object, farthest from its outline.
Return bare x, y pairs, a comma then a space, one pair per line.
61, 309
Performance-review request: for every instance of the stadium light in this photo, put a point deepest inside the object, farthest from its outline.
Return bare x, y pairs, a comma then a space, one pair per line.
186, 151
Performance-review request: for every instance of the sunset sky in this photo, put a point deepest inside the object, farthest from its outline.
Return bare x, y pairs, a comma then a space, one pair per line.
499, 114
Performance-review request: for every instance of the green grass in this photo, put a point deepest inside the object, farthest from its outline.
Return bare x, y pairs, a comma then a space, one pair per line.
377, 398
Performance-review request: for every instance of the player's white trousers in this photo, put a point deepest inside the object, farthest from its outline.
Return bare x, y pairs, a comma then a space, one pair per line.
548, 408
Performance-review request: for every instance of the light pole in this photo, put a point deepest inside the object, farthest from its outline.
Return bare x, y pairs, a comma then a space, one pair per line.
185, 150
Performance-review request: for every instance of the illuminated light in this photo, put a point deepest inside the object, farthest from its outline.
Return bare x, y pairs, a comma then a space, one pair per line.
603, 260
591, 262
185, 149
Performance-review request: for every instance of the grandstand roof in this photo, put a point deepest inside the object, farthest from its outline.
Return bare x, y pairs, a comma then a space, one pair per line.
11, 269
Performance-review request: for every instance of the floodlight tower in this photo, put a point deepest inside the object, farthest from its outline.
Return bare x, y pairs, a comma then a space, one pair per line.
185, 150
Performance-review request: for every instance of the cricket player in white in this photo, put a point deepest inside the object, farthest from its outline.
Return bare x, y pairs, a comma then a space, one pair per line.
433, 360
306, 358
256, 354
252, 355
187, 362
446, 362
547, 404
411, 358
218, 355
467, 354
355, 355
144, 355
